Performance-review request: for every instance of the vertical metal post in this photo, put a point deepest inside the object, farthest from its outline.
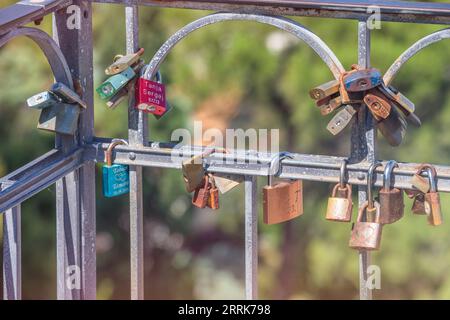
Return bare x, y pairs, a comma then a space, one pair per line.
251, 239
137, 135
75, 204
12, 254
363, 149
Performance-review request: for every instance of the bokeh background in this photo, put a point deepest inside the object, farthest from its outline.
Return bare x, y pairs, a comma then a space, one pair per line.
235, 75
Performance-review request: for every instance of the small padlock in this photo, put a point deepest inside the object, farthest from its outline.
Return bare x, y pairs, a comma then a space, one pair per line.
379, 105
340, 204
282, 201
419, 182
226, 182
67, 95
115, 177
392, 205
121, 62
151, 95
115, 83
325, 90
201, 194
432, 200
341, 119
193, 171
213, 199
359, 80
42, 100
366, 235
418, 206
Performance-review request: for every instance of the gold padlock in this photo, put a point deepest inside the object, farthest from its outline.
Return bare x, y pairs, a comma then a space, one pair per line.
340, 203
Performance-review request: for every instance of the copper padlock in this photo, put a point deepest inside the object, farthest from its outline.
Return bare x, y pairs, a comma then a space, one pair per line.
284, 200
392, 206
432, 200
418, 206
201, 194
366, 235
213, 199
340, 203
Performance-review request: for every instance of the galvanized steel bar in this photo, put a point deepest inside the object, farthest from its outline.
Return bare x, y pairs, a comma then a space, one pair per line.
318, 168
12, 254
251, 238
413, 50
364, 128
137, 135
293, 27
399, 11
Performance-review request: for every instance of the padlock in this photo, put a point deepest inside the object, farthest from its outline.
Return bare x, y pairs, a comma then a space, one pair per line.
340, 204
115, 177
121, 63
432, 200
193, 171
67, 95
419, 182
331, 105
393, 128
359, 80
225, 182
42, 100
201, 194
366, 235
213, 197
324, 90
151, 96
341, 120
378, 104
392, 205
418, 206
282, 201
60, 118
115, 83
405, 105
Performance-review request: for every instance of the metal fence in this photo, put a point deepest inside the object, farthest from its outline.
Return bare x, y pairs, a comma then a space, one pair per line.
71, 164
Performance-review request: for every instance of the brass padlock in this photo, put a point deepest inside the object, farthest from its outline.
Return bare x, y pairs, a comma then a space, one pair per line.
366, 235
419, 182
201, 194
193, 171
432, 200
392, 205
340, 203
284, 200
213, 197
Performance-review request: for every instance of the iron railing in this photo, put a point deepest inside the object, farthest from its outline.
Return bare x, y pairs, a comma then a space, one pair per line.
71, 165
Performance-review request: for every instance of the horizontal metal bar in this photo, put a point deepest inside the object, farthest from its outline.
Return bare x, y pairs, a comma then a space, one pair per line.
400, 11
37, 175
26, 11
239, 162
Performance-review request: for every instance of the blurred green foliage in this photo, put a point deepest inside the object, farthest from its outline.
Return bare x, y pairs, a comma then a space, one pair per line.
199, 254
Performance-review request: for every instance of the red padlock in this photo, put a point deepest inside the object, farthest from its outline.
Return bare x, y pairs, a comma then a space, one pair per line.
151, 97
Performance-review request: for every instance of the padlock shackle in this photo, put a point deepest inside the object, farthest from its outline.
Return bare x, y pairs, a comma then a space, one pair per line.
387, 176
363, 210
370, 174
431, 173
342, 173
108, 152
275, 164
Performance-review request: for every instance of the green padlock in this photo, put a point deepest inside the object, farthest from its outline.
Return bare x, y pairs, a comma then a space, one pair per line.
115, 83
116, 177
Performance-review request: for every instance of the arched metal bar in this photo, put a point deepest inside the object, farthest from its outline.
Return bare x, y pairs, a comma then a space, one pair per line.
413, 50
282, 23
50, 48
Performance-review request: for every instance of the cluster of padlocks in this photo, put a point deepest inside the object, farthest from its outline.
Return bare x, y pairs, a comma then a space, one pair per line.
282, 200
359, 87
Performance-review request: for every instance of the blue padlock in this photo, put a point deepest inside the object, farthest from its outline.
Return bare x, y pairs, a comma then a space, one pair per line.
116, 177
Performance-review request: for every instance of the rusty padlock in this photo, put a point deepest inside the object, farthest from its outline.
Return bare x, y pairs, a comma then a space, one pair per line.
282, 201
392, 206
193, 171
418, 206
201, 194
418, 181
366, 235
213, 198
432, 199
340, 203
